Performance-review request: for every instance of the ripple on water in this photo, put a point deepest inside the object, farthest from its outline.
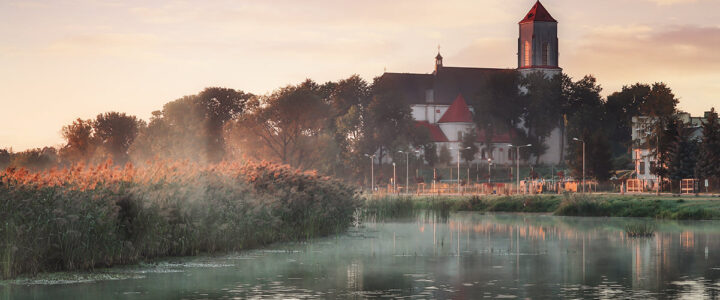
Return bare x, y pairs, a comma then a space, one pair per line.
73, 278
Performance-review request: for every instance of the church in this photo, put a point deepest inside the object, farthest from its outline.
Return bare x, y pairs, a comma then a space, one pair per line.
438, 99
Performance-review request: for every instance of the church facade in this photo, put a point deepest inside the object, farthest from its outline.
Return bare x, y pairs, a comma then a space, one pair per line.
438, 100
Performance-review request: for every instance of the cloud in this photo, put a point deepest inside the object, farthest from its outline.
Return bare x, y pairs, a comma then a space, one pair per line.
672, 2
643, 50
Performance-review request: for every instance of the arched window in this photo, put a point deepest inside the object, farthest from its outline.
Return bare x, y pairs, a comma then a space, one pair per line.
545, 54
527, 53
482, 153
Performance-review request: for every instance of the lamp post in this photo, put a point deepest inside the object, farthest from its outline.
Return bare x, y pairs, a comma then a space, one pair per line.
372, 172
394, 179
583, 155
407, 169
517, 170
489, 176
458, 166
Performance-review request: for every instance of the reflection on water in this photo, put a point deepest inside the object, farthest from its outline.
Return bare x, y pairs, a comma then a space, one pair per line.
465, 255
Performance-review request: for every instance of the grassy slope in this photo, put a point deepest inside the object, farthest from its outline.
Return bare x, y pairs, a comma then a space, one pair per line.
665, 207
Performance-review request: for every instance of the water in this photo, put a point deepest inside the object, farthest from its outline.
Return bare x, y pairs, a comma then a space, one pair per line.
467, 255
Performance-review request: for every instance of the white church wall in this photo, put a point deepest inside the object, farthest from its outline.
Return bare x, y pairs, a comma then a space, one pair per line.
451, 129
428, 112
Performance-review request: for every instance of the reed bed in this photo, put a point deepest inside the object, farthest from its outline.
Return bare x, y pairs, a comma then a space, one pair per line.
84, 217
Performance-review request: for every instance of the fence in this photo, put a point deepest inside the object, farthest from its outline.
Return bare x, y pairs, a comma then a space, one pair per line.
687, 186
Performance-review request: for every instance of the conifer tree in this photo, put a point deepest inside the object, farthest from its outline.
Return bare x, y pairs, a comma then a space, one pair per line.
682, 155
708, 165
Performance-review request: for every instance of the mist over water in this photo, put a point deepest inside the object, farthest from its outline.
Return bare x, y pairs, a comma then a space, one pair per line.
467, 255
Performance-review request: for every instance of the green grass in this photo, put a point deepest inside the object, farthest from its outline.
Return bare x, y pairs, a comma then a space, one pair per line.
591, 205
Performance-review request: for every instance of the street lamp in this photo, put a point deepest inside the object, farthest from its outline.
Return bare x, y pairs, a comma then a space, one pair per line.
489, 176
458, 165
583, 155
372, 172
517, 170
407, 169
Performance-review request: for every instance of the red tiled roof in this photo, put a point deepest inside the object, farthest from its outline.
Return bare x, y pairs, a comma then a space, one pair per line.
435, 133
538, 13
458, 112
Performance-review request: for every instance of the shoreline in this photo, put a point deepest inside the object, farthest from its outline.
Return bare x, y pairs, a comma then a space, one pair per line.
687, 207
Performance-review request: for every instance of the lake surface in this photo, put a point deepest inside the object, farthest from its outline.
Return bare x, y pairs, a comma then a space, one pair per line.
463, 256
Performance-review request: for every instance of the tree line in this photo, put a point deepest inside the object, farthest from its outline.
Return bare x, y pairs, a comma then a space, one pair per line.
333, 127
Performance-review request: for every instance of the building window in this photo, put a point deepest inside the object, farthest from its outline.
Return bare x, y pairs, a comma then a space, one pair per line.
527, 53
511, 155
459, 136
642, 168
545, 54
482, 153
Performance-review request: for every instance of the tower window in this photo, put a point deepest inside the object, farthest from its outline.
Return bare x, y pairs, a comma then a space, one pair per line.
527, 53
545, 53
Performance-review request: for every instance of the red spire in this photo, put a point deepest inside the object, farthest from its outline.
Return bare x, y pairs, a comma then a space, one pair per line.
458, 112
538, 13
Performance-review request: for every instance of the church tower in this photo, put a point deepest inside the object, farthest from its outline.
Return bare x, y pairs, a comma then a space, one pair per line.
538, 42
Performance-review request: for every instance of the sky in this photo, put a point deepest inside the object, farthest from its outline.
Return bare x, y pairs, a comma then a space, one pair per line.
67, 59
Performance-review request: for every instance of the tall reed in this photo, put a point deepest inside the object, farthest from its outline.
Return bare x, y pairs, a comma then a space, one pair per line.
89, 216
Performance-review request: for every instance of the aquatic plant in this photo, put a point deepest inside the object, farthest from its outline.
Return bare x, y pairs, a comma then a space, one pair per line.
640, 229
83, 217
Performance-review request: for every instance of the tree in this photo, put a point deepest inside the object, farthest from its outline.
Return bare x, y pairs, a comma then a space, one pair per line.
389, 123
599, 154
35, 159
499, 107
620, 108
667, 138
468, 141
585, 121
116, 132
80, 142
444, 157
682, 154
350, 92
544, 108
660, 102
348, 99
430, 154
4, 158
219, 105
192, 127
708, 165
285, 126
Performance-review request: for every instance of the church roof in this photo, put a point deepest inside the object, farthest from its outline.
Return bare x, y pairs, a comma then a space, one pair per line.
538, 13
446, 83
458, 112
436, 133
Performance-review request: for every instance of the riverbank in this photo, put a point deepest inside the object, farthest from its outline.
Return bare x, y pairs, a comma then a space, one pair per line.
595, 205
87, 217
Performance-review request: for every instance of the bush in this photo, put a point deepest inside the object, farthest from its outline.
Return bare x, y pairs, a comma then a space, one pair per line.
85, 217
